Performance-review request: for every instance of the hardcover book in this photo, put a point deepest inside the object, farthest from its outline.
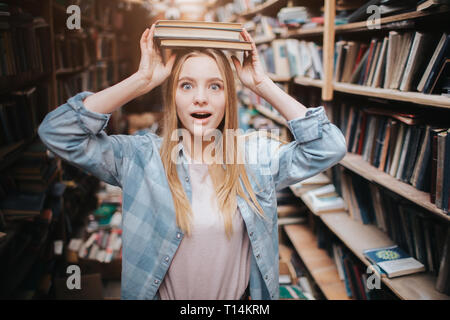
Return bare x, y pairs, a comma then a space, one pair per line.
393, 261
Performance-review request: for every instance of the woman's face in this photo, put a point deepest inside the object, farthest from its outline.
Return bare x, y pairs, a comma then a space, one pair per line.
200, 95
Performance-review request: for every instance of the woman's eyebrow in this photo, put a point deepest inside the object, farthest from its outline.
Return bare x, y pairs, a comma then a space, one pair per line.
193, 80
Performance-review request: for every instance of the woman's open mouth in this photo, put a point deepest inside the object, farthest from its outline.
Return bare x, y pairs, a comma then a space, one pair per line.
201, 117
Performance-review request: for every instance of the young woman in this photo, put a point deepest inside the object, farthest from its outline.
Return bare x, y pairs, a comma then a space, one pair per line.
195, 227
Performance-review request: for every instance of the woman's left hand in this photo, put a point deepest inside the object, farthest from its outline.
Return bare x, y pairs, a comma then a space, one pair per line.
251, 73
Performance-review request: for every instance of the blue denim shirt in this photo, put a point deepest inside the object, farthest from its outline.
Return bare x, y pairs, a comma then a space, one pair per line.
150, 233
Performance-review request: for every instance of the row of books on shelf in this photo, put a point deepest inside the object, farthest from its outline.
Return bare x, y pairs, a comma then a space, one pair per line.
400, 144
96, 77
100, 11
21, 113
23, 189
101, 237
80, 49
351, 271
349, 11
24, 43
291, 58
33, 246
421, 236
409, 226
407, 61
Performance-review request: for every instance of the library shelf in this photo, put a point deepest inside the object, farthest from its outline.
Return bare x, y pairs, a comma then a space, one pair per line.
263, 39
304, 81
357, 164
362, 25
270, 114
391, 94
358, 237
321, 267
22, 80
268, 6
69, 71
10, 153
277, 78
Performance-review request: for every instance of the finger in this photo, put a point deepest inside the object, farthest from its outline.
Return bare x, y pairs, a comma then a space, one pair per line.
143, 41
150, 35
237, 64
170, 62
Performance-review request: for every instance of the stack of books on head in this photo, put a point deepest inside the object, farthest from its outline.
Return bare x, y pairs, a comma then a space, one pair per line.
196, 34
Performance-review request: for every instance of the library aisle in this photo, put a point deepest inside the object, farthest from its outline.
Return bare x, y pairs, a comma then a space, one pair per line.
375, 226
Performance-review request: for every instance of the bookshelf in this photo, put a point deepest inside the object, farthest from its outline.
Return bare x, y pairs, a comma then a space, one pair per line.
433, 100
359, 237
355, 163
54, 14
355, 235
321, 267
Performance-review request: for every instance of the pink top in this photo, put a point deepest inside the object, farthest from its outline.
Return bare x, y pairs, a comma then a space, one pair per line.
208, 265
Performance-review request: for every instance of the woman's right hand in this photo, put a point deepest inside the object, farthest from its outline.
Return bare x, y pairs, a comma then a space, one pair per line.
152, 70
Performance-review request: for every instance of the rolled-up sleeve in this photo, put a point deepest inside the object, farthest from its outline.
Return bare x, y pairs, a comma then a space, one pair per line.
77, 135
318, 145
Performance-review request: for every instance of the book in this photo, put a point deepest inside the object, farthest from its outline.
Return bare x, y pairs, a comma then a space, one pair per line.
431, 63
325, 199
444, 53
394, 261
197, 24
167, 32
204, 43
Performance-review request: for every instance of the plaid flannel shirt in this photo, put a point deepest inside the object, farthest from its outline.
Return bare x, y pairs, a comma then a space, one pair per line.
150, 233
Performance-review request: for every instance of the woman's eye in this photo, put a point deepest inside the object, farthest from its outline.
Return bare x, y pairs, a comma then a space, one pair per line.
186, 86
215, 86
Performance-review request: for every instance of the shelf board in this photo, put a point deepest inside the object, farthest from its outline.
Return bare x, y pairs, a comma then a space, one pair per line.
277, 78
357, 164
271, 115
321, 267
362, 25
391, 94
308, 82
263, 39
264, 8
358, 237
296, 33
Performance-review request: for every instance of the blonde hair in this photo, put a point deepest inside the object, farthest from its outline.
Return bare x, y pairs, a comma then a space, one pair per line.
225, 180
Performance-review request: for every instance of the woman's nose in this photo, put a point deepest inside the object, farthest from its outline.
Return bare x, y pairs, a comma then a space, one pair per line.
200, 97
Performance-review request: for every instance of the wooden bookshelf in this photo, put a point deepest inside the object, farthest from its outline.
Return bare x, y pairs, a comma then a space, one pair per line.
357, 164
261, 39
321, 267
396, 95
277, 78
268, 6
358, 237
304, 81
362, 25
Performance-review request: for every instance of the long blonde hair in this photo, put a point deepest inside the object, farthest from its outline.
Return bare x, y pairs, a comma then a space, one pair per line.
225, 180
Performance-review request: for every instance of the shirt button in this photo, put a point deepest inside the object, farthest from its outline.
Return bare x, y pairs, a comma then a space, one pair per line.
251, 234
266, 277
186, 179
156, 281
178, 235
258, 256
166, 259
